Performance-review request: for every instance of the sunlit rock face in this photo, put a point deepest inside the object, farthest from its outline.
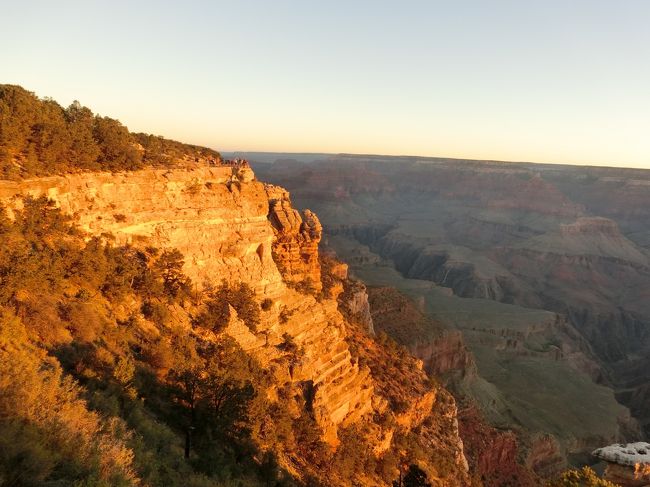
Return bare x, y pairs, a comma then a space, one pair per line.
231, 227
295, 248
627, 465
355, 304
219, 223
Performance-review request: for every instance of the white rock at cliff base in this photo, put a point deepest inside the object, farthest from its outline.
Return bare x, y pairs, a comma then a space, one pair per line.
630, 454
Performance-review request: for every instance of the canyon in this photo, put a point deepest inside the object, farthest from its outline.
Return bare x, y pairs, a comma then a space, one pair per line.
524, 316
543, 270
351, 320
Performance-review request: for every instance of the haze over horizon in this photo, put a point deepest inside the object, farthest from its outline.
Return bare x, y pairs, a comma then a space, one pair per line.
549, 82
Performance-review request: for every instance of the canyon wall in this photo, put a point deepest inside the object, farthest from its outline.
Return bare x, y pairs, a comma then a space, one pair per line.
233, 228
543, 269
228, 227
219, 223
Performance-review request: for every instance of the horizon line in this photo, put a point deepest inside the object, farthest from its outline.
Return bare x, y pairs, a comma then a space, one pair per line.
438, 158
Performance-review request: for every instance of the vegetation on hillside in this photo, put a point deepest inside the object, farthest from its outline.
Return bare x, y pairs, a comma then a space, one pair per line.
91, 394
240, 298
114, 371
40, 137
584, 477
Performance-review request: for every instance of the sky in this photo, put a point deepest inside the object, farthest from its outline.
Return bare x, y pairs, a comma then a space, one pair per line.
544, 81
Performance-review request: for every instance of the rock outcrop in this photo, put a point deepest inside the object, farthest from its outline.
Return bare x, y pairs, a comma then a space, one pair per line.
355, 304
544, 456
425, 416
493, 455
219, 223
295, 248
627, 465
442, 351
446, 354
234, 230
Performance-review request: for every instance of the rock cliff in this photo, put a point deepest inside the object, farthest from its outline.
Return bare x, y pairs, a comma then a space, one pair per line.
231, 227
442, 351
218, 222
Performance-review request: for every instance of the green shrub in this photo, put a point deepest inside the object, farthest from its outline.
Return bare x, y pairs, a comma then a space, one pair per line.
156, 312
217, 308
585, 477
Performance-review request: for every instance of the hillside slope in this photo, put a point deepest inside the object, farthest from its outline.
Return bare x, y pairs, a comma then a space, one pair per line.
319, 411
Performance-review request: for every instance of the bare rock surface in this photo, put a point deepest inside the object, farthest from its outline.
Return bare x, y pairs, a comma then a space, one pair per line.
627, 464
628, 454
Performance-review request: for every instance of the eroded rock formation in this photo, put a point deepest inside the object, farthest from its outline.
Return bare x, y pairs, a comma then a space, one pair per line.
441, 350
231, 227
295, 248
509, 239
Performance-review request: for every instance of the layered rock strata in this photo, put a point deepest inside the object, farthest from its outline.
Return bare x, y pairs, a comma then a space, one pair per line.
233, 228
295, 247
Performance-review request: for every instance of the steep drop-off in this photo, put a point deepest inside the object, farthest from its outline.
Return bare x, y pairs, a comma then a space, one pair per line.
514, 241
232, 228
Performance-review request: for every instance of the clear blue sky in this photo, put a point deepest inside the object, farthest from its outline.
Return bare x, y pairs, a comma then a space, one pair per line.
549, 81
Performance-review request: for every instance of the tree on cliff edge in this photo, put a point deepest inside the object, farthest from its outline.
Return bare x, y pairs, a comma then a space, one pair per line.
217, 309
170, 266
39, 137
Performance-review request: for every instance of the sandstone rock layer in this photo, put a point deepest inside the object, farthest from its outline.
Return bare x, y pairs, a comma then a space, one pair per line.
231, 227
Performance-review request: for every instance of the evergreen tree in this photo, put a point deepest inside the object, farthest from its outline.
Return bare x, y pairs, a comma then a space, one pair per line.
39, 137
84, 150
